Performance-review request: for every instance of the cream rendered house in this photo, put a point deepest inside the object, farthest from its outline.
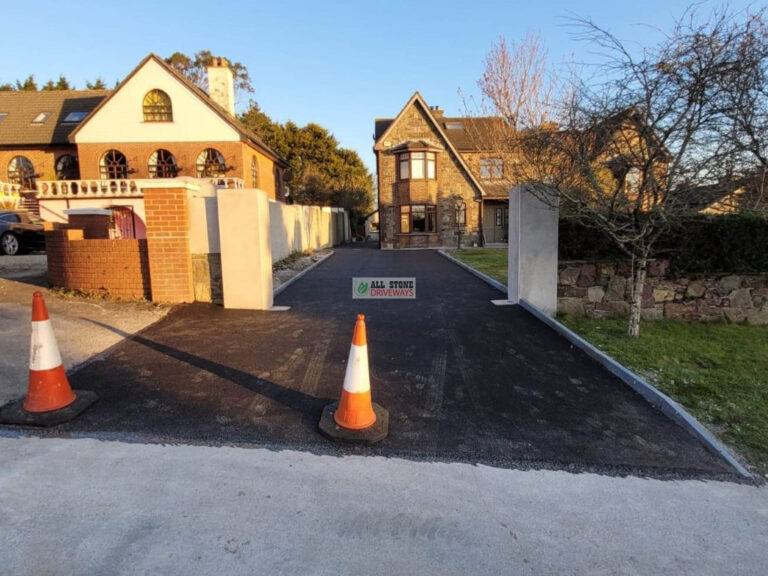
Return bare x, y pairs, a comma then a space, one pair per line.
157, 124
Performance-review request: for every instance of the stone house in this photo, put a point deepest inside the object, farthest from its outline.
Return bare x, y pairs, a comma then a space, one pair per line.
434, 182
439, 175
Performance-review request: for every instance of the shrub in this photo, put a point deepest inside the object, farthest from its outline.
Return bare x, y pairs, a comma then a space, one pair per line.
730, 243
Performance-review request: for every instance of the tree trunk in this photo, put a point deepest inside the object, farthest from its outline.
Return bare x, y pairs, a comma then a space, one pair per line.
638, 284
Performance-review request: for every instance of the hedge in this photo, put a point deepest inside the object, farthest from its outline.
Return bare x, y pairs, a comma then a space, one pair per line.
729, 243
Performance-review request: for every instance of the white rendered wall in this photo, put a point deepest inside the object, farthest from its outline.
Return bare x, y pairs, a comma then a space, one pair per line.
52, 210
122, 118
294, 228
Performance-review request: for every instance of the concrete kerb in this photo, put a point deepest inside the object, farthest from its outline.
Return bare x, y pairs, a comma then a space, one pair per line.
306, 270
652, 395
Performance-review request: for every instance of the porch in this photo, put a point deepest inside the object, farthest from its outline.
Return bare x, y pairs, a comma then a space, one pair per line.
495, 221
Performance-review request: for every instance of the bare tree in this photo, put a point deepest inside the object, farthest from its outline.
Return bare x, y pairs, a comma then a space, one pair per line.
634, 141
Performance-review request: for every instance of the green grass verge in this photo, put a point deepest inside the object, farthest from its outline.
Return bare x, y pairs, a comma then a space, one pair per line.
717, 371
491, 261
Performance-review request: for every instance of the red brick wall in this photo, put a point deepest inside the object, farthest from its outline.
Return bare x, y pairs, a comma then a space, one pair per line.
115, 268
170, 260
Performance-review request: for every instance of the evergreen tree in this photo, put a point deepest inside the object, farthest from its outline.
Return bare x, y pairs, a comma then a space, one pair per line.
29, 85
97, 84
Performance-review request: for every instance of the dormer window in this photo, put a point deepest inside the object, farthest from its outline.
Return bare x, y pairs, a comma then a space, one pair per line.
417, 165
157, 107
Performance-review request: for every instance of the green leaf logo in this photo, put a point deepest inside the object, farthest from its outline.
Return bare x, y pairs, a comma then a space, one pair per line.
362, 288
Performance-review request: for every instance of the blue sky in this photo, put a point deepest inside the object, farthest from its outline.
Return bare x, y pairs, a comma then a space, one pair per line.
340, 64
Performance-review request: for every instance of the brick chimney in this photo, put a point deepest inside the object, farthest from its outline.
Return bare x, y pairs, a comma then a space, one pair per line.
437, 112
221, 84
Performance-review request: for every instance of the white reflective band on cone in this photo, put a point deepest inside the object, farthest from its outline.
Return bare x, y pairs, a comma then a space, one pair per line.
356, 379
43, 351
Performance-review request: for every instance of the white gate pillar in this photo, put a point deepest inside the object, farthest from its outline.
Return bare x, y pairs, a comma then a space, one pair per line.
246, 254
533, 226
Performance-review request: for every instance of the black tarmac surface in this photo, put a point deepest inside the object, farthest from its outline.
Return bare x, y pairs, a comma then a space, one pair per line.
463, 380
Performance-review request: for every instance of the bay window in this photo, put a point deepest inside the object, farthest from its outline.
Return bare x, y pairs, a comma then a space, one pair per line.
416, 218
417, 165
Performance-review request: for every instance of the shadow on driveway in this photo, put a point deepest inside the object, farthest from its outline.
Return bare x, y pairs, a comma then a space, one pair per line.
464, 380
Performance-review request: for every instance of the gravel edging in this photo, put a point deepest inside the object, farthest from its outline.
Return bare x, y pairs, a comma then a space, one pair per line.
293, 279
650, 394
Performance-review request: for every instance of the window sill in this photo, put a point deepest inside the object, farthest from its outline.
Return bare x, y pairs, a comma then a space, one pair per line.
417, 233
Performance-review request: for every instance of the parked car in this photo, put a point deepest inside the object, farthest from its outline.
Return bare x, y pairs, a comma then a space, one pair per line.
20, 231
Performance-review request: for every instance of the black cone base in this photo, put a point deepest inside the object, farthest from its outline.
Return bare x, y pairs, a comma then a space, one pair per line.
371, 435
13, 413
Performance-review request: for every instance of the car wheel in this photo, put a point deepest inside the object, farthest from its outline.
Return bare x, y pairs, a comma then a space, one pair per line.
9, 244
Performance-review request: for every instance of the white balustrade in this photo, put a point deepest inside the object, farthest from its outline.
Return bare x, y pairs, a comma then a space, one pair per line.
47, 189
51, 189
8, 189
232, 183
10, 195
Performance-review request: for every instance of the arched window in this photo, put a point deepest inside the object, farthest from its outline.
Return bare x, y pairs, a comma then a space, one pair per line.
254, 172
113, 166
162, 164
210, 164
157, 107
22, 171
67, 167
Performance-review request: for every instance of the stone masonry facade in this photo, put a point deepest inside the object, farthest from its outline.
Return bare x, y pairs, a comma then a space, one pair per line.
599, 289
450, 180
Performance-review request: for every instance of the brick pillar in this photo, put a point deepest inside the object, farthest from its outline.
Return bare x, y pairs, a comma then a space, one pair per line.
170, 261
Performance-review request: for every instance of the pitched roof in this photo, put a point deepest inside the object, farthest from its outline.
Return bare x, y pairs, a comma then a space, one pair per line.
466, 133
234, 122
17, 127
384, 125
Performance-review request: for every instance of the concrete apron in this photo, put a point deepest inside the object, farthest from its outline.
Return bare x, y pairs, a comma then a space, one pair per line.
93, 507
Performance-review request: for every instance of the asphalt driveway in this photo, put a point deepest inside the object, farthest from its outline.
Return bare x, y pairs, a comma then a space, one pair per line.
464, 380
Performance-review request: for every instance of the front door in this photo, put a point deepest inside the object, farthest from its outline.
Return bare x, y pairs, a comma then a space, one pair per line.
124, 225
501, 224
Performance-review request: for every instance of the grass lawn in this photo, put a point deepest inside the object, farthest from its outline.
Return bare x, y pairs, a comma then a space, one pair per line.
718, 371
491, 261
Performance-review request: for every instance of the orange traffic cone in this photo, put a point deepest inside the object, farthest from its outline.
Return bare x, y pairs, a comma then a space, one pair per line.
356, 417
48, 385
355, 410
49, 400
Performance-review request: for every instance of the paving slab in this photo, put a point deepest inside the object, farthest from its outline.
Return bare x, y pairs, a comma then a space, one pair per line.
463, 380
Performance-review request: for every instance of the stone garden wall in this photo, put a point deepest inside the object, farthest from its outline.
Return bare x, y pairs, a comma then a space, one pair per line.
598, 289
